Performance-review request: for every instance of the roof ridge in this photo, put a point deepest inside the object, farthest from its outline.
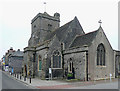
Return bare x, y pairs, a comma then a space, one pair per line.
76, 24
66, 24
81, 39
86, 33
63, 30
60, 27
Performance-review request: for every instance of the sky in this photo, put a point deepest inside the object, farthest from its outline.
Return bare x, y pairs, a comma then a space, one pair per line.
16, 16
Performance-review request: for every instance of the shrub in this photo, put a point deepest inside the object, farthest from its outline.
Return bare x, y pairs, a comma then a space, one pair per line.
69, 76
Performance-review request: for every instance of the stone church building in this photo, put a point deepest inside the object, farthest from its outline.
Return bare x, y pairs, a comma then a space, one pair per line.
67, 49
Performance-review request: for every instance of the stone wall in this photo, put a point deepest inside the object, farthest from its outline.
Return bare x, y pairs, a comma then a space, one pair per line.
78, 57
57, 73
101, 72
15, 63
41, 25
42, 52
53, 46
29, 61
117, 63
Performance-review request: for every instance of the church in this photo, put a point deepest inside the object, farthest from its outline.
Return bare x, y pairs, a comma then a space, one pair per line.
67, 50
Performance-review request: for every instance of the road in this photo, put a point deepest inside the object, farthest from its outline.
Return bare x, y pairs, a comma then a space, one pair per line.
7, 82
10, 83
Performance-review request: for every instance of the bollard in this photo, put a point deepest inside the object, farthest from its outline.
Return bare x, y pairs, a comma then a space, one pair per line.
20, 76
105, 78
25, 78
94, 81
30, 79
17, 76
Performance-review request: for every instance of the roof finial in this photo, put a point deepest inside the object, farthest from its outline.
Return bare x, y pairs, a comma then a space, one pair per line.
44, 6
100, 22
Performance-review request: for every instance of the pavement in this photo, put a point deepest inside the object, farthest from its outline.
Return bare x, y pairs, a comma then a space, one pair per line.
37, 83
112, 85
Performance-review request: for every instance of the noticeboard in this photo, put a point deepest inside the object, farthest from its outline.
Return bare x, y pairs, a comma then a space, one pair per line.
50, 70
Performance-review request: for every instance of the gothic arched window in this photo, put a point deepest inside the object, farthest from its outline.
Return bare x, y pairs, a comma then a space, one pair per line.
101, 55
57, 59
39, 63
71, 66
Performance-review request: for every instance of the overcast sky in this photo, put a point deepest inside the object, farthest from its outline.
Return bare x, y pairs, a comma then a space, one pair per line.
16, 16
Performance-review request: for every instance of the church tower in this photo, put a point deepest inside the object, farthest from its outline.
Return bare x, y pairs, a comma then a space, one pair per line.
41, 25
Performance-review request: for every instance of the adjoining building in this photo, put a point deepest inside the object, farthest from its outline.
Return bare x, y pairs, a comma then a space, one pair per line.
6, 59
15, 62
67, 50
12, 61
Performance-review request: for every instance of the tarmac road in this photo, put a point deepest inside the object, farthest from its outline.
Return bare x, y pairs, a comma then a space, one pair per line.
10, 83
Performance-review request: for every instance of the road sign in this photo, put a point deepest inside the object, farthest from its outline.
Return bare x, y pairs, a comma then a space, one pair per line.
110, 74
12, 70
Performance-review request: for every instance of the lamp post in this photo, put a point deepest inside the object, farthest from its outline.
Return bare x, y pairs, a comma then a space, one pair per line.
20, 75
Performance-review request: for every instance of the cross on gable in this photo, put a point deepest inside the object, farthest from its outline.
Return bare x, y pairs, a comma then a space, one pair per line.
100, 22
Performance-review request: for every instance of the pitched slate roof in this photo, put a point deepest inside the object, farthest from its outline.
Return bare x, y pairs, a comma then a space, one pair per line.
58, 31
63, 30
17, 53
85, 39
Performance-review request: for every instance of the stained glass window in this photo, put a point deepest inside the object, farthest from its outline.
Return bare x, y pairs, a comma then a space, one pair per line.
56, 59
40, 64
101, 55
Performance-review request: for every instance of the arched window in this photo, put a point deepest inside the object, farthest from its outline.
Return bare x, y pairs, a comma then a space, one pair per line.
101, 55
71, 66
57, 59
39, 63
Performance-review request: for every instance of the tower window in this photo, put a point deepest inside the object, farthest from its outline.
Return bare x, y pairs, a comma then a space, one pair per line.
49, 27
34, 26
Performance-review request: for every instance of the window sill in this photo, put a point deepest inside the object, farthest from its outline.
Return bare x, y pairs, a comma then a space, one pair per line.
101, 66
39, 70
56, 68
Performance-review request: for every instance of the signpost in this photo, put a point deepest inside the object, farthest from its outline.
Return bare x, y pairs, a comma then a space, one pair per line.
110, 77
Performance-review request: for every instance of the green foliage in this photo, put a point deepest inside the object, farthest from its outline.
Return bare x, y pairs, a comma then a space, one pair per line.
69, 75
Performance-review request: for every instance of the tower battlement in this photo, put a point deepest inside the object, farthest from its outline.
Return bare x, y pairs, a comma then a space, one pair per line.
56, 16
